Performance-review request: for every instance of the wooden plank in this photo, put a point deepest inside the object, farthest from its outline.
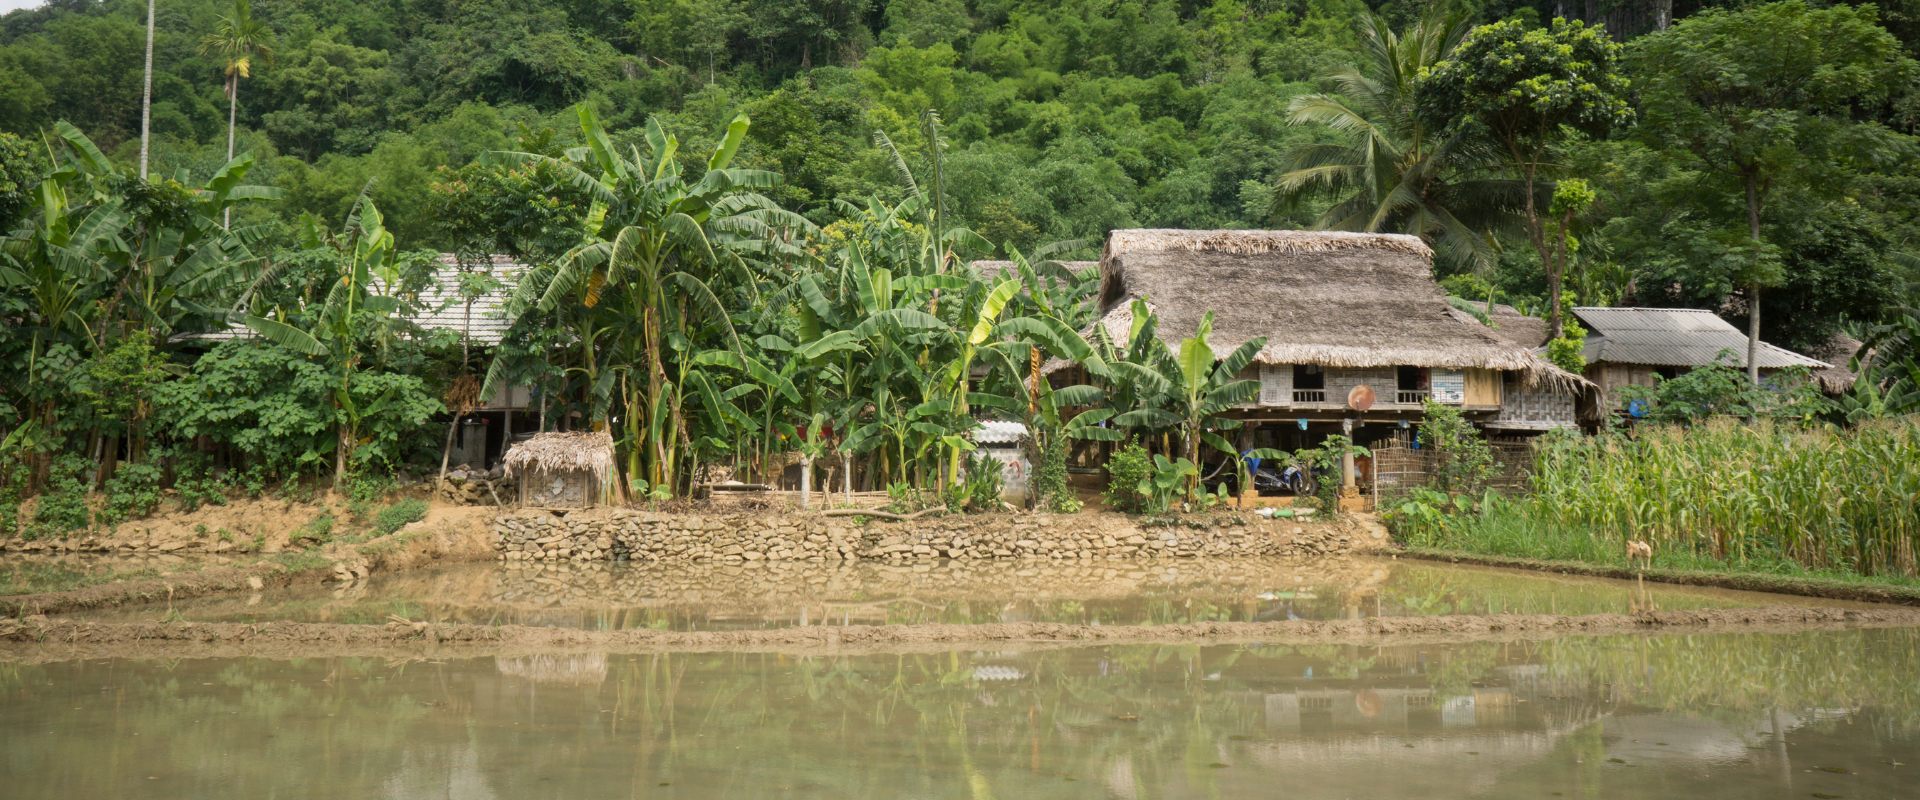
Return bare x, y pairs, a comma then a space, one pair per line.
1483, 387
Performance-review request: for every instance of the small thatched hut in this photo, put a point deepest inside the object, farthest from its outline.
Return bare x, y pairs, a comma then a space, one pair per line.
1339, 311
563, 470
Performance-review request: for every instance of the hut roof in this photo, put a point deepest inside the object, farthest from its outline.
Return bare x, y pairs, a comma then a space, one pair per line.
990, 270
1673, 337
580, 451
1517, 328
1838, 351
1331, 298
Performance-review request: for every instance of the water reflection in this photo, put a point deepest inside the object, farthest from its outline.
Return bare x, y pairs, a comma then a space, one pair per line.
1729, 716
717, 597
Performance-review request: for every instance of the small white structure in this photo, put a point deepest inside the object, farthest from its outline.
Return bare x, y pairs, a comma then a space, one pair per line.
1001, 440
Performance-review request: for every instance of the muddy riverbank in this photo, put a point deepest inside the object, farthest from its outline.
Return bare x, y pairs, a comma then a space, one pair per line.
440, 538
1747, 582
38, 639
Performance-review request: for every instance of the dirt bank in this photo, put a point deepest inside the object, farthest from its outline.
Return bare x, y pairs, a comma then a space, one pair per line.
447, 534
1749, 582
41, 639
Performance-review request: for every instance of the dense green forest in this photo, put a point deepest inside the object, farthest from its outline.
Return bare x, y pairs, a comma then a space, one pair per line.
1063, 120
742, 219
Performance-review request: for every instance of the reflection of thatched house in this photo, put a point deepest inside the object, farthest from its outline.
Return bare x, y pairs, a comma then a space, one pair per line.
1339, 311
1629, 346
584, 669
562, 470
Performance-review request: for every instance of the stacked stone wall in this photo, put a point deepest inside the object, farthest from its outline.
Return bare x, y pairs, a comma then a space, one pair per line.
650, 536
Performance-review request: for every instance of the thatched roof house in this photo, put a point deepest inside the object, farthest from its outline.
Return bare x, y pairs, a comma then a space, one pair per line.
1339, 311
1517, 328
1329, 298
563, 470
1838, 351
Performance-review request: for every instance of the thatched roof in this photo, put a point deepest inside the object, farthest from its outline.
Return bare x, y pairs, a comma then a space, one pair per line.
1516, 328
991, 270
1838, 351
578, 451
1331, 298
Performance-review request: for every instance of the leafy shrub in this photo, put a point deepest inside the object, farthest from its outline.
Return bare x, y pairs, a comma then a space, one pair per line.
1125, 470
985, 481
398, 515
1466, 460
1048, 486
318, 530
902, 498
369, 487
14, 485
1169, 478
132, 492
63, 509
276, 406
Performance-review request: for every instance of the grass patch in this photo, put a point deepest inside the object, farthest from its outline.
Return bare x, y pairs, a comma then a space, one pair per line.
32, 578
399, 515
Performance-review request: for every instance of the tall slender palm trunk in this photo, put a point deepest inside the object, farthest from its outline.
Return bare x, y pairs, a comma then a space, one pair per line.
146, 96
233, 107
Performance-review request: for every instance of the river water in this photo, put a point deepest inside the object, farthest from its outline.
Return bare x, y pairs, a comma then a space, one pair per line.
1829, 714
605, 596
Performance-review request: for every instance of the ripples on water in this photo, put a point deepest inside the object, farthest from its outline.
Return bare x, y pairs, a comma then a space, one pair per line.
1723, 716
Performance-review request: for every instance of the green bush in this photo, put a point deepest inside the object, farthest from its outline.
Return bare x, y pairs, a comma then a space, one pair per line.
985, 481
1125, 470
63, 508
319, 530
132, 492
1048, 487
396, 516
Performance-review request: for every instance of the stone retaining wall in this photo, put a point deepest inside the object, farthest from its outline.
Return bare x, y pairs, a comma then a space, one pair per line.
649, 536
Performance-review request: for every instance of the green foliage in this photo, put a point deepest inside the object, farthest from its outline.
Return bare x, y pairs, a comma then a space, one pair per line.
398, 515
317, 531
1167, 479
63, 508
1048, 485
1566, 352
1722, 390
133, 492
1328, 457
1128, 467
1466, 460
1762, 496
984, 481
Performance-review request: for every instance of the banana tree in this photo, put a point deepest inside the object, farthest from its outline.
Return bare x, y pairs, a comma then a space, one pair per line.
357, 302
1195, 389
658, 247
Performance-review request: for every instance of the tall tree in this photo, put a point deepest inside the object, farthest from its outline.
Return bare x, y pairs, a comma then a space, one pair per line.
146, 97
1530, 89
1754, 94
239, 39
1397, 171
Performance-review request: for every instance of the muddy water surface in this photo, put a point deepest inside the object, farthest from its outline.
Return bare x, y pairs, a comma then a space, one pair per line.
604, 596
1830, 714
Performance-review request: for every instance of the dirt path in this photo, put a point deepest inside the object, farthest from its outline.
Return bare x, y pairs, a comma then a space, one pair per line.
1750, 582
42, 639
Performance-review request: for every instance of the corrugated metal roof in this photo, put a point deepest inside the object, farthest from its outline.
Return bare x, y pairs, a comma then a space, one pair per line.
995, 431
1673, 337
486, 324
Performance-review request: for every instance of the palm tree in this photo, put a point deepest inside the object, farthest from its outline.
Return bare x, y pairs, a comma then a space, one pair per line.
1395, 173
239, 39
146, 96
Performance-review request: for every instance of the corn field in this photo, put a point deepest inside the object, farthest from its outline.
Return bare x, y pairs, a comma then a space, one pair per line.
1834, 500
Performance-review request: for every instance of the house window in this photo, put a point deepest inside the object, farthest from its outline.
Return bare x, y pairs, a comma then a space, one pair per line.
1410, 385
1309, 383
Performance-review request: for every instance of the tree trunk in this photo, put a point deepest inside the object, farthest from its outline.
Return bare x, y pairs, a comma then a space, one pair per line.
233, 107
1753, 291
340, 456
146, 97
806, 481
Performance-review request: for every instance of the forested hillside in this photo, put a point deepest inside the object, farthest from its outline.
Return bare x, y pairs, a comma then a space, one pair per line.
743, 223
1062, 120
